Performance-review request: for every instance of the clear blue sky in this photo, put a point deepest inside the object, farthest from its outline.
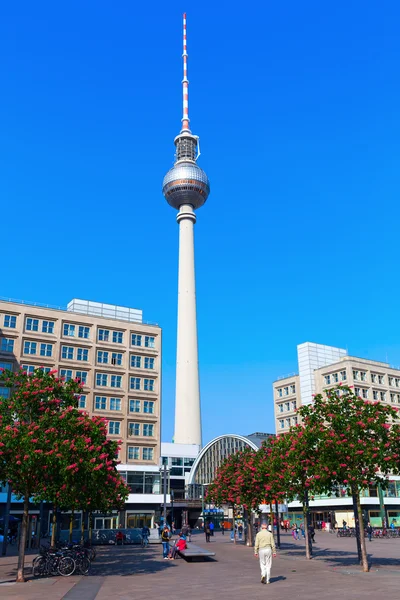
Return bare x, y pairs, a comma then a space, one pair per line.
297, 107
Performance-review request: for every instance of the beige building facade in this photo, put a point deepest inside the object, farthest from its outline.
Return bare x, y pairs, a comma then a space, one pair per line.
372, 380
110, 350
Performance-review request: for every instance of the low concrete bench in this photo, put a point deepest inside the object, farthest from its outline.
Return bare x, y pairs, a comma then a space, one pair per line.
195, 551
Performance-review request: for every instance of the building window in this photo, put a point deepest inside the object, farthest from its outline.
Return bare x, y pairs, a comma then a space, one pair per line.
29, 347
148, 430
381, 379
292, 389
116, 381
10, 321
327, 379
84, 332
149, 341
102, 357
281, 423
134, 406
66, 373
397, 382
104, 335
133, 453
82, 354
29, 369
279, 392
392, 397
81, 376
136, 339
148, 453
391, 381
286, 391
280, 408
47, 326
101, 379
67, 352
100, 403
46, 349
343, 376
374, 378
363, 376
7, 345
294, 420
148, 385
382, 396
356, 375
116, 359
335, 377
32, 324
294, 404
114, 427
364, 393
117, 337
4, 393
82, 402
148, 407
357, 391
134, 428
148, 362
115, 404
287, 406
287, 422
375, 395
69, 330
135, 383
136, 362
7, 366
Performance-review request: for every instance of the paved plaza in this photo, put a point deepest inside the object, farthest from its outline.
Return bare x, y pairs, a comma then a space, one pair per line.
121, 573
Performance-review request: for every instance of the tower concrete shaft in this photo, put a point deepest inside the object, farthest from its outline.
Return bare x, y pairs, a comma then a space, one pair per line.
187, 398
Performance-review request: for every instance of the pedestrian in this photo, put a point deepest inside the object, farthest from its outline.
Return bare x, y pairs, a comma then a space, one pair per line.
303, 533
311, 531
212, 529
173, 526
145, 535
265, 549
282, 525
240, 531
222, 528
179, 545
207, 531
165, 535
294, 531
369, 531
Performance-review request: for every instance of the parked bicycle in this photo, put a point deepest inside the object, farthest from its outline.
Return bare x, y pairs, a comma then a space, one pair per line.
65, 560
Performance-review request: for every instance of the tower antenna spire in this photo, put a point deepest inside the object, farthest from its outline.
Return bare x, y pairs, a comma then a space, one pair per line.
185, 81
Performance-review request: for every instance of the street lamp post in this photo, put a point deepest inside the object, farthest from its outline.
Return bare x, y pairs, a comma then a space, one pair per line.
164, 470
172, 507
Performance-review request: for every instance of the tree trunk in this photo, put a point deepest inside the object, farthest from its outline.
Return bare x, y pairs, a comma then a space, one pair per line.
250, 540
83, 527
71, 526
306, 530
22, 541
90, 528
54, 527
364, 555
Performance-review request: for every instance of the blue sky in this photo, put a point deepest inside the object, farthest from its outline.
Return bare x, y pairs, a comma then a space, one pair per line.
297, 107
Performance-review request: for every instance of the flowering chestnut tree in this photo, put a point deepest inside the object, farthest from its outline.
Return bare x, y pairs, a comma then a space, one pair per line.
34, 405
51, 451
358, 443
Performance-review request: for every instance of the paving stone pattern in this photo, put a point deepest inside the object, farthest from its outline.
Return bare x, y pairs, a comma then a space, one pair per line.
122, 573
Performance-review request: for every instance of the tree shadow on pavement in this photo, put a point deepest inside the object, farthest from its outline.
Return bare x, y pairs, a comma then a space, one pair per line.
338, 558
129, 560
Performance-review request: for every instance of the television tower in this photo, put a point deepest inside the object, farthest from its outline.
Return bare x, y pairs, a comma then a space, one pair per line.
186, 188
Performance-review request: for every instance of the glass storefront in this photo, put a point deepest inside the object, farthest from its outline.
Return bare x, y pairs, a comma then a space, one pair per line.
137, 520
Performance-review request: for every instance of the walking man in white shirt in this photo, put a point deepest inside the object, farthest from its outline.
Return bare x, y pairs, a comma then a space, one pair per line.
265, 549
